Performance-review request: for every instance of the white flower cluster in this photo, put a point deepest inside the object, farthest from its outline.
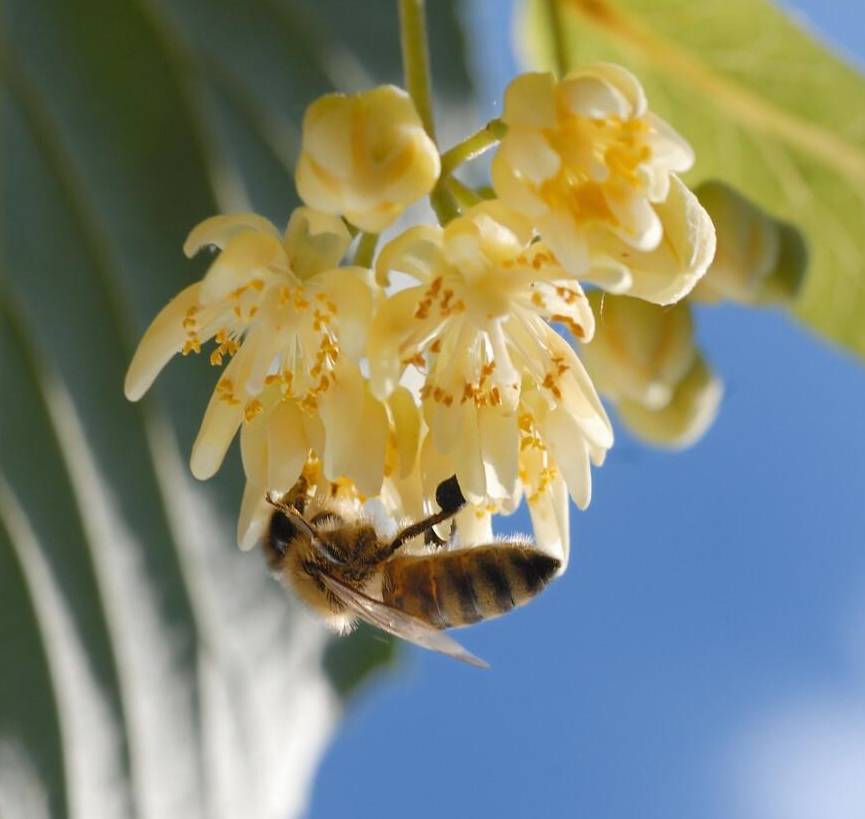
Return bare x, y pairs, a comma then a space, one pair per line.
462, 372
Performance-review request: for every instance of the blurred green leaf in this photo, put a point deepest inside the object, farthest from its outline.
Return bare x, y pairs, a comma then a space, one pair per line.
150, 668
766, 106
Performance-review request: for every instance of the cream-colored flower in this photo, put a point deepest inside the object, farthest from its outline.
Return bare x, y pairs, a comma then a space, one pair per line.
644, 358
285, 439
477, 326
293, 325
595, 171
365, 156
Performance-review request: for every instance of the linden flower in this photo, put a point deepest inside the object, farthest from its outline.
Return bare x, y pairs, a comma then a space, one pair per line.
540, 482
476, 326
366, 157
595, 170
288, 319
348, 438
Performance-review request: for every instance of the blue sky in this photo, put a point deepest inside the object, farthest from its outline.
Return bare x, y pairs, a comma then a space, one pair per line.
705, 653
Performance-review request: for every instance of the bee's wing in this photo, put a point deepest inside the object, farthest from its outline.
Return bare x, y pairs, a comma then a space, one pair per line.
397, 622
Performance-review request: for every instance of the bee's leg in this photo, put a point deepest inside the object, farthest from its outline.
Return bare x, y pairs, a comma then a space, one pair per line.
450, 498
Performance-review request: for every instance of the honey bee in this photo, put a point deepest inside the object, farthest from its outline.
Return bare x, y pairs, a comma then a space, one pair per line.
337, 563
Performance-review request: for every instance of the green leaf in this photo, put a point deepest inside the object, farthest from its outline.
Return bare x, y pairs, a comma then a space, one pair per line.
768, 109
149, 667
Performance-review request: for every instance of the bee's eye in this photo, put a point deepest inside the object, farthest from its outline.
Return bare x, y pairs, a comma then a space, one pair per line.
282, 532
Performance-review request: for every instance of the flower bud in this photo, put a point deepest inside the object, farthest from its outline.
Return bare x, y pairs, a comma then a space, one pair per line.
758, 260
365, 156
688, 415
644, 359
640, 351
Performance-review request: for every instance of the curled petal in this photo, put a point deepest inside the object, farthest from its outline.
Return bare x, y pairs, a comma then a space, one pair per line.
218, 231
593, 97
417, 252
315, 241
164, 338
669, 272
246, 256
530, 101
618, 80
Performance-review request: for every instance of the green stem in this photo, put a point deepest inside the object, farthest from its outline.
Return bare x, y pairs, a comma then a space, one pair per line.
465, 196
365, 251
557, 30
473, 146
443, 203
415, 59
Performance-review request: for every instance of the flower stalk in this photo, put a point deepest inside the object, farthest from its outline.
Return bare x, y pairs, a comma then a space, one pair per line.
415, 59
365, 251
474, 146
557, 32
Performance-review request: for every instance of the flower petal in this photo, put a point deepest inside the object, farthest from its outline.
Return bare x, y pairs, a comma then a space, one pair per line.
350, 289
530, 101
417, 252
287, 446
393, 339
163, 339
669, 272
220, 230
246, 256
315, 241
499, 450
406, 427
356, 431
474, 526
255, 514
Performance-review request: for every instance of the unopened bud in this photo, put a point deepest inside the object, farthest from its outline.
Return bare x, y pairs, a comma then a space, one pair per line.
758, 259
684, 420
365, 157
640, 351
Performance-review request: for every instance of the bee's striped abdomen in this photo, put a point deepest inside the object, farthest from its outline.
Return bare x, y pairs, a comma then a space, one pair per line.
461, 587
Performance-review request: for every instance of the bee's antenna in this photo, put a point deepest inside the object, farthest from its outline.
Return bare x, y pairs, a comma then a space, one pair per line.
449, 497
318, 543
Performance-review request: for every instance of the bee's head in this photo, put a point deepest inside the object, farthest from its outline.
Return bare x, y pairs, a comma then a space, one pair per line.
287, 524
278, 539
